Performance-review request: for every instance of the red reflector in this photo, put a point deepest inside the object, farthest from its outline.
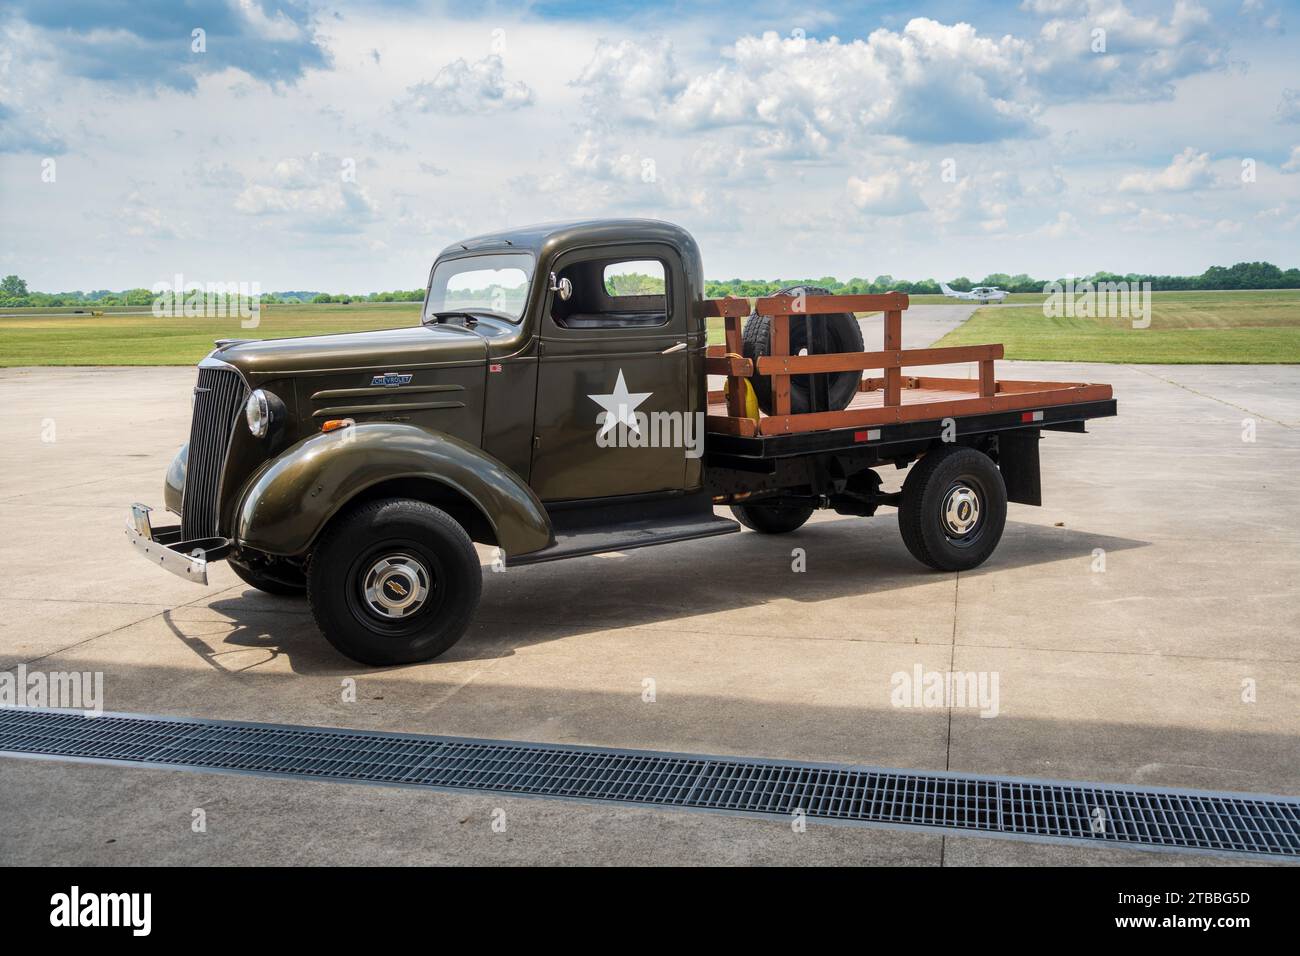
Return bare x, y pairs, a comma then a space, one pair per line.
862, 436
1026, 416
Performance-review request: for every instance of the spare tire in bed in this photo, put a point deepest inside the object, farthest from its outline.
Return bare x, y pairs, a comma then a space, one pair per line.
843, 334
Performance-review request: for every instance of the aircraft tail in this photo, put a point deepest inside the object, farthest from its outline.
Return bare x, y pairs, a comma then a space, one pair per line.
946, 290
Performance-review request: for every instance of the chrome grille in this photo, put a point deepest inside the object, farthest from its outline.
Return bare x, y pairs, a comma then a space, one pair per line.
219, 398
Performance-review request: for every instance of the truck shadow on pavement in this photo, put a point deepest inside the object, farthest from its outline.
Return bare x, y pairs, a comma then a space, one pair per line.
864, 563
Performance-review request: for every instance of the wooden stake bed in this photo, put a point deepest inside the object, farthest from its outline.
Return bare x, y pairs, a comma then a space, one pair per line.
890, 399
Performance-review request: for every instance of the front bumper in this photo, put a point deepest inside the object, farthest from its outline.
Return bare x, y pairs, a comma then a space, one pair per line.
164, 547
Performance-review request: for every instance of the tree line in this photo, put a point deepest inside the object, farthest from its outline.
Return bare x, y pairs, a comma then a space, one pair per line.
1244, 275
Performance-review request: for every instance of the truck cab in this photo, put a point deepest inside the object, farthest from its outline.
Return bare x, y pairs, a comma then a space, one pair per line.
610, 314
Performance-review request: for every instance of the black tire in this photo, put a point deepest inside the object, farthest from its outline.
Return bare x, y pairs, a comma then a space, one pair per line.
399, 547
843, 334
932, 522
772, 517
279, 586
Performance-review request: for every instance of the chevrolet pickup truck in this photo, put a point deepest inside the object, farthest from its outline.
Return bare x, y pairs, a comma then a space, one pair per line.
554, 401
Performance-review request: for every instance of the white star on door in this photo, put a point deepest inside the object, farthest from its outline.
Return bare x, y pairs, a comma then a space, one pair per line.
619, 406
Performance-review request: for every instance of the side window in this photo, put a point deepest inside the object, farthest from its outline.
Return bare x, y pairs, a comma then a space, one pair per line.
614, 294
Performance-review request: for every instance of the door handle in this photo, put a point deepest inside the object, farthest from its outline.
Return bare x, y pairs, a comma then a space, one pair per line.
679, 347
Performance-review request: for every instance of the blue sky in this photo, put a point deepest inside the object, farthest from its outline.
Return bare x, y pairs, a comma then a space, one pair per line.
340, 145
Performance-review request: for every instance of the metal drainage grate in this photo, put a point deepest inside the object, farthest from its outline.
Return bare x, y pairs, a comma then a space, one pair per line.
1035, 809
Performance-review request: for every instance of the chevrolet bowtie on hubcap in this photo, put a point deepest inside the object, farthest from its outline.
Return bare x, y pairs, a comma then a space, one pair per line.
396, 586
961, 510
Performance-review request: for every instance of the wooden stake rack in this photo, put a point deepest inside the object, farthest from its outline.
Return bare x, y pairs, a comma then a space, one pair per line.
883, 400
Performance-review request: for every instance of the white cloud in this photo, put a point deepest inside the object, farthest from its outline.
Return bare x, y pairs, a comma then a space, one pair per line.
463, 87
278, 28
887, 194
26, 83
1288, 108
928, 83
1049, 7
1292, 165
140, 218
310, 194
1285, 217
1189, 170
596, 160
217, 175
982, 203
28, 130
1064, 226
596, 177
1144, 219
1262, 16
630, 80
1105, 51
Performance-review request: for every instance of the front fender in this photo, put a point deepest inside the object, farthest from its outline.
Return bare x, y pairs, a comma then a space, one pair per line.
291, 498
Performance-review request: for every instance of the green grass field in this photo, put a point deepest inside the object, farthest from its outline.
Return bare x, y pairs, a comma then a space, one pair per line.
1186, 327
1249, 328
117, 339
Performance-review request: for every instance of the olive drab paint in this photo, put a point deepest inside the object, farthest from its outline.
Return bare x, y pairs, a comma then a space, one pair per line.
495, 411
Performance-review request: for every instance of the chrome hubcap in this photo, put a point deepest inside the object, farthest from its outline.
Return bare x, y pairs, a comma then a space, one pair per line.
396, 586
961, 510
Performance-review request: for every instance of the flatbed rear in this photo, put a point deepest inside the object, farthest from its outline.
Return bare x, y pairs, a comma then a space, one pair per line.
887, 409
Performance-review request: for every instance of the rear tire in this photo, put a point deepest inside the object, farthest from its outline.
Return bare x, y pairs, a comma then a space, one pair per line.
953, 509
394, 582
772, 517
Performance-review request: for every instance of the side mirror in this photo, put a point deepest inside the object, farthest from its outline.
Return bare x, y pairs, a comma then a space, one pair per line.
563, 287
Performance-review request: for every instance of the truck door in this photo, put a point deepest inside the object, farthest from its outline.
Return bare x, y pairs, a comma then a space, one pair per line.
613, 383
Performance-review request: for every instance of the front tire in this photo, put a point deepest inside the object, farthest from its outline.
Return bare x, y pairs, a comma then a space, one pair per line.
953, 509
394, 582
772, 517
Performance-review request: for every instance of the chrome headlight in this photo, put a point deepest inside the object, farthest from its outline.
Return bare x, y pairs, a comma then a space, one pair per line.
258, 413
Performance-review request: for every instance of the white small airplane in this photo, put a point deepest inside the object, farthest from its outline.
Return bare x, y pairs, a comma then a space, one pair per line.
981, 293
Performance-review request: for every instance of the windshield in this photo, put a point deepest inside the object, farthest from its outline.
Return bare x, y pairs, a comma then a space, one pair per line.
495, 285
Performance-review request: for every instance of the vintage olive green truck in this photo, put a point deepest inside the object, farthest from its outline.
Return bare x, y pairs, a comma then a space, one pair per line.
554, 401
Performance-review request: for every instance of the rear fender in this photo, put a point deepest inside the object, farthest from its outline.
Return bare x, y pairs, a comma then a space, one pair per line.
292, 497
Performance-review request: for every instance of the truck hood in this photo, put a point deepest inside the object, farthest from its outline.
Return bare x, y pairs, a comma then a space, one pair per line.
420, 346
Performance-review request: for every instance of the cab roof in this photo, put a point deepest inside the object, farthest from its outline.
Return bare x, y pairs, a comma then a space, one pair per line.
555, 237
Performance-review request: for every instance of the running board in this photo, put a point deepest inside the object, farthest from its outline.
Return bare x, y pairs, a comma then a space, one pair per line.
579, 541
